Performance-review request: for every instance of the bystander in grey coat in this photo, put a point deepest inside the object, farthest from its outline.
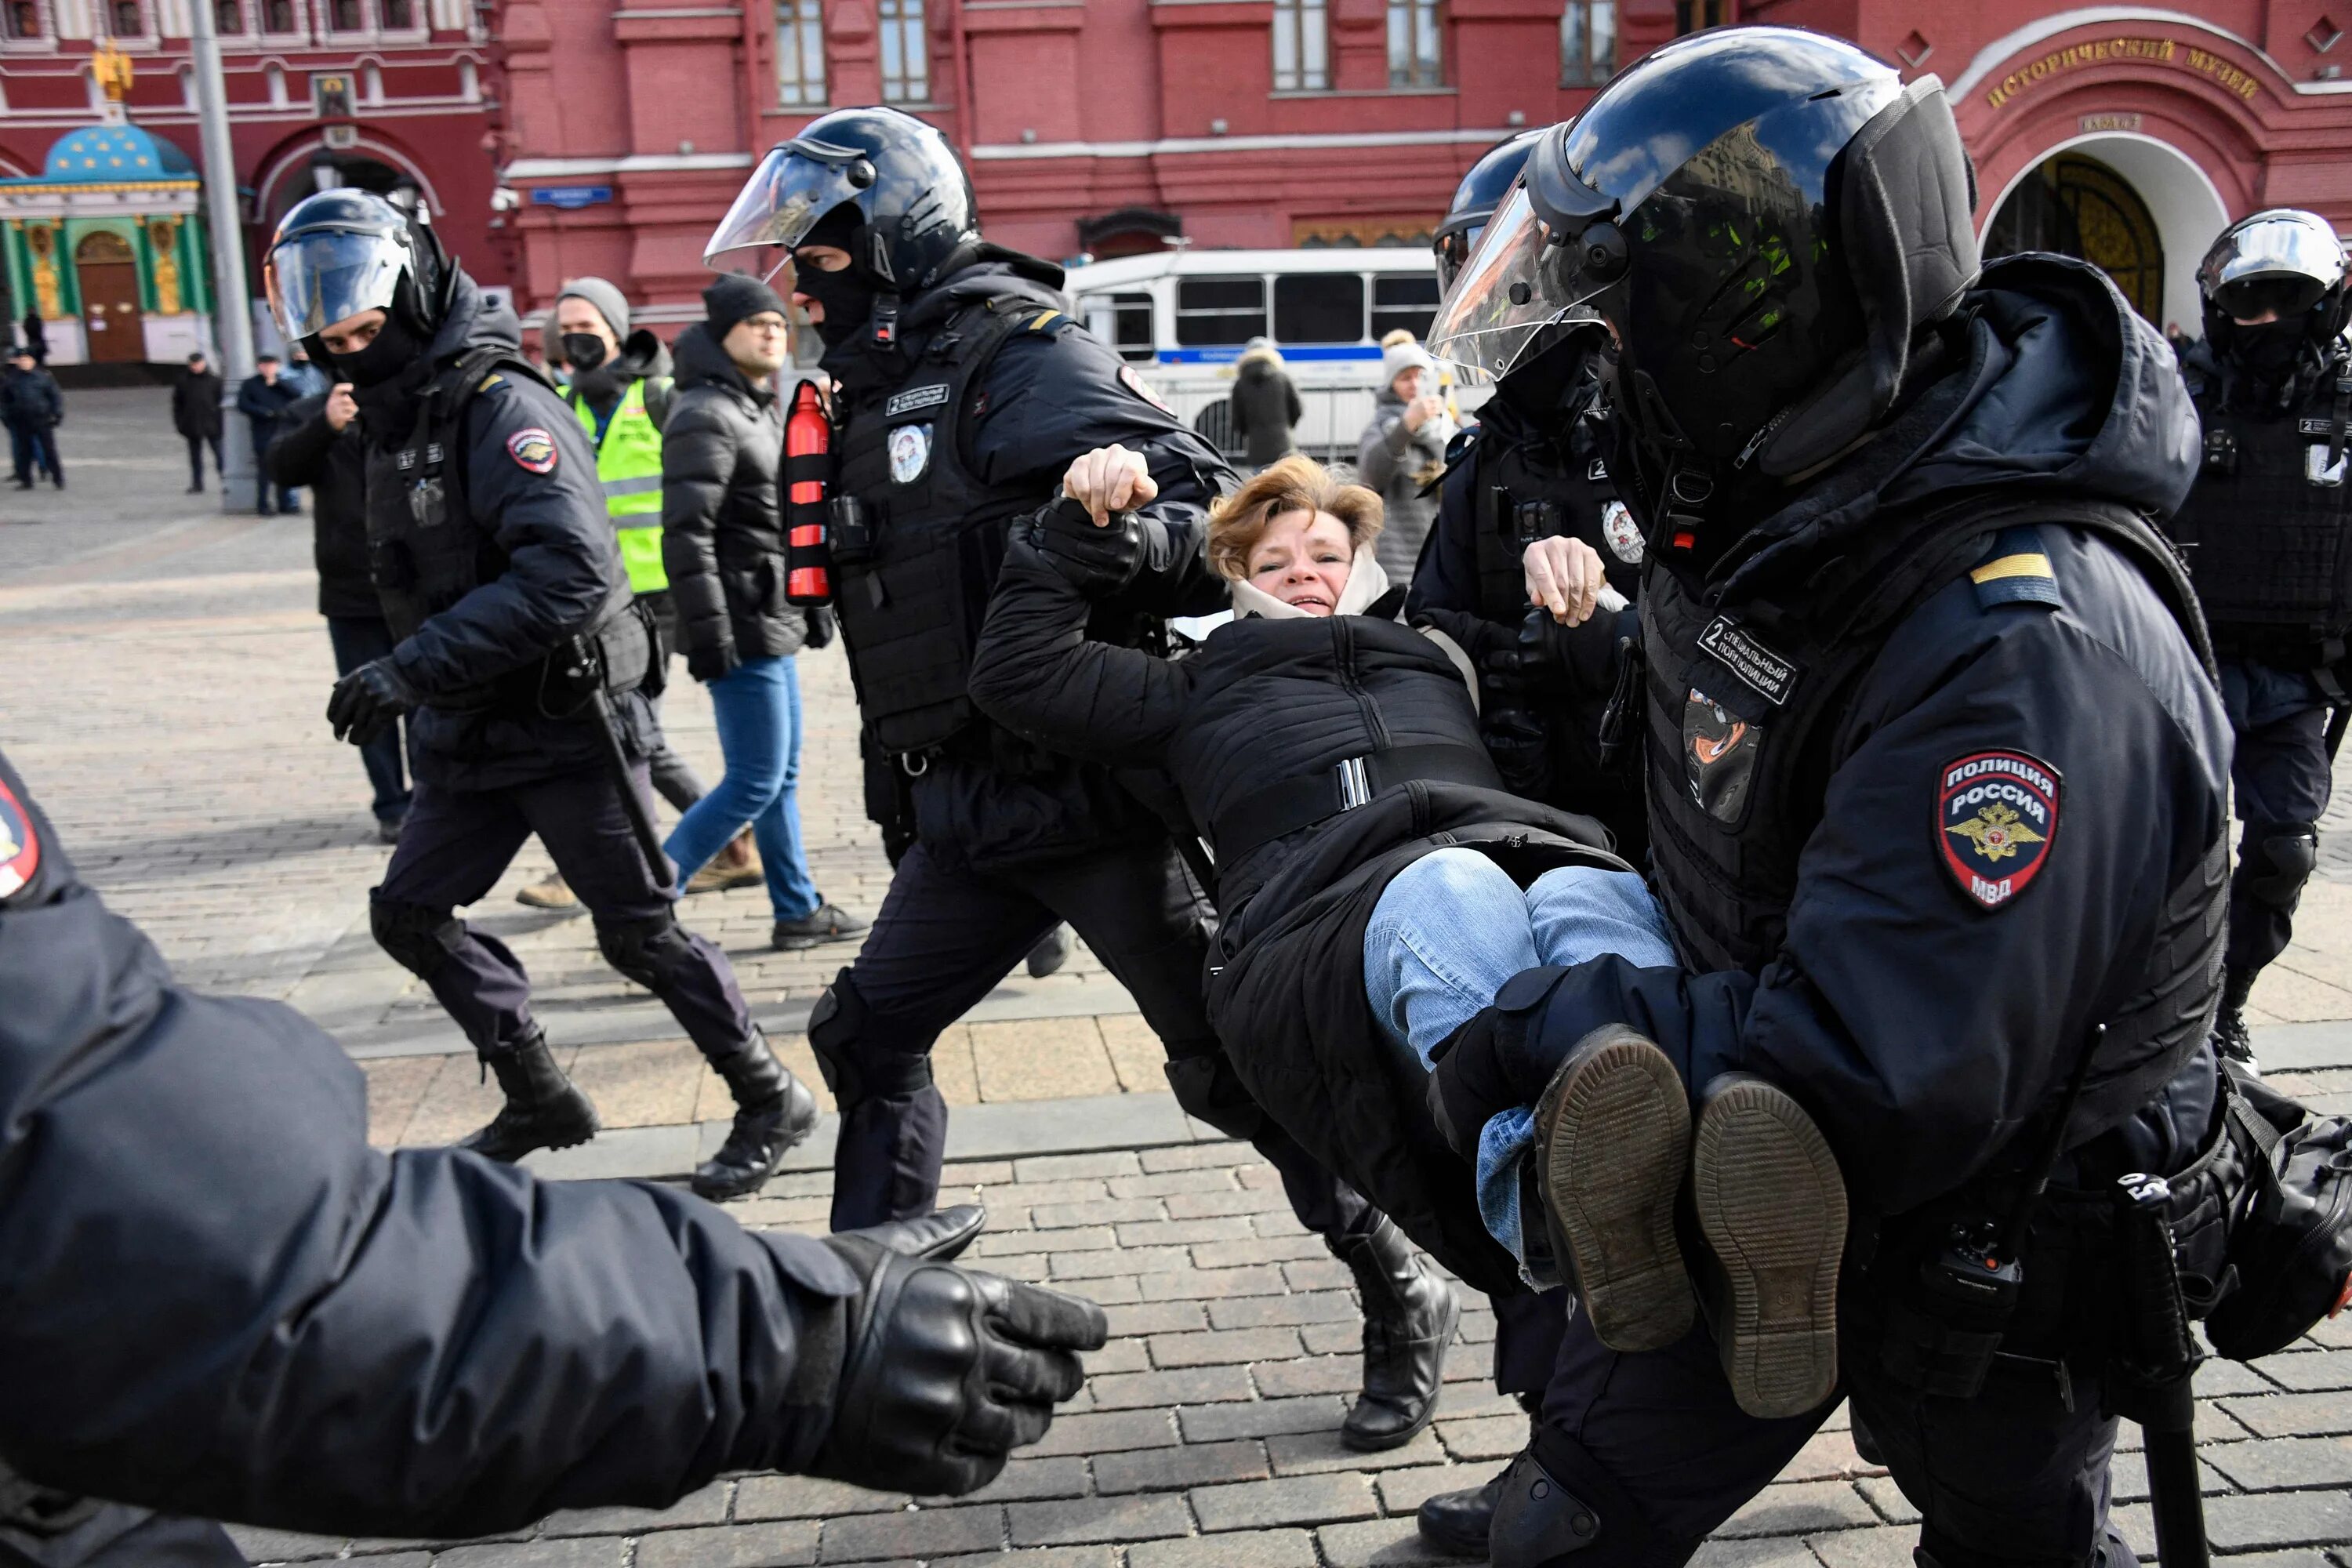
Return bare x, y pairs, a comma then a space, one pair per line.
1403, 451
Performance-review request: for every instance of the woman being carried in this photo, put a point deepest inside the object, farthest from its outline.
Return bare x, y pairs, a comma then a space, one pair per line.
1375, 884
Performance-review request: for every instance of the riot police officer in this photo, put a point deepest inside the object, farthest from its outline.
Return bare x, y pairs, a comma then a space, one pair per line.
1534, 467
221, 1301
962, 392
1936, 796
525, 661
2263, 531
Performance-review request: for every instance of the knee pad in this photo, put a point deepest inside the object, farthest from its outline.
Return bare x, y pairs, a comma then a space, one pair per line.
1559, 1507
647, 952
2280, 857
854, 1066
420, 939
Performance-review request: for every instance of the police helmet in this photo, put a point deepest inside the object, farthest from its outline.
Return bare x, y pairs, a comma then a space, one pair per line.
912, 202
2280, 262
1474, 200
343, 251
1765, 217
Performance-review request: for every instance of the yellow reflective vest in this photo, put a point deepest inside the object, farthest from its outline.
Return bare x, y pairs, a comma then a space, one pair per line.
629, 466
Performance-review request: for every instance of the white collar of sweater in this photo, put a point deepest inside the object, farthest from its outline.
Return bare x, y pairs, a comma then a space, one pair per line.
1367, 581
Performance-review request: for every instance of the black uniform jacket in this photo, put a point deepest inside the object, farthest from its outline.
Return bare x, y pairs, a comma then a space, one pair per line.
722, 509
1923, 1029
562, 568
1263, 701
332, 465
1046, 400
220, 1301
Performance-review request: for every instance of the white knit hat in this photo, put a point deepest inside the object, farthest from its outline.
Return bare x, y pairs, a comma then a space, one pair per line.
1395, 361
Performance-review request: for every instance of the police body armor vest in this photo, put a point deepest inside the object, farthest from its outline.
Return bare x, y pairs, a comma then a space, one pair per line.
2264, 528
1747, 713
1525, 489
914, 589
426, 550
629, 469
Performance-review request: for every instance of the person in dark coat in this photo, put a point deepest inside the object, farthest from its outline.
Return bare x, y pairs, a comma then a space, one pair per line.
32, 408
322, 450
1265, 406
723, 548
259, 1318
37, 336
196, 415
263, 399
1313, 674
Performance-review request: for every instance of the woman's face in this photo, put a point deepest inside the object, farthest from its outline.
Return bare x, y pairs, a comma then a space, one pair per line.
1407, 385
1303, 559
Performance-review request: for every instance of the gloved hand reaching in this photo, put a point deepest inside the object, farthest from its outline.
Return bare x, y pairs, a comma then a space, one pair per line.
368, 701
945, 1369
1095, 558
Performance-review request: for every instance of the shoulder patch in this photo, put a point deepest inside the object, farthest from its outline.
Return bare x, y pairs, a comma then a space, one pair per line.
490, 381
2016, 570
1996, 817
1045, 322
533, 451
1142, 388
20, 846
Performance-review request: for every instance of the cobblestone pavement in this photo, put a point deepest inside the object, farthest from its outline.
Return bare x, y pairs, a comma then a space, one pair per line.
165, 674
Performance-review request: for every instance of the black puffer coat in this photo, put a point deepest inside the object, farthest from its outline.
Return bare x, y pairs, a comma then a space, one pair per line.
1263, 702
313, 455
722, 513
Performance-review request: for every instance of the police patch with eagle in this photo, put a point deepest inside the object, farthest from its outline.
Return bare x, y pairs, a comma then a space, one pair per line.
1996, 817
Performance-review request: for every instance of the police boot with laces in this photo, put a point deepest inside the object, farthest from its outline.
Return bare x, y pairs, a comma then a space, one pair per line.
2231, 1038
1409, 1320
544, 1110
773, 1111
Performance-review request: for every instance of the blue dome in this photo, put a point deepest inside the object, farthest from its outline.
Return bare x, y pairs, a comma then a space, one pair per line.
114, 153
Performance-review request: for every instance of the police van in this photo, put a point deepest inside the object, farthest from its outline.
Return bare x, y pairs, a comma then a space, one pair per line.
1182, 317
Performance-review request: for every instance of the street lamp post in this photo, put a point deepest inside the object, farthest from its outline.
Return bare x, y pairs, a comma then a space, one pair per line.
232, 315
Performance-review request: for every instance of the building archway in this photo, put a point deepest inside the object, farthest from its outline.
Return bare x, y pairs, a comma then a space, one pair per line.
2137, 207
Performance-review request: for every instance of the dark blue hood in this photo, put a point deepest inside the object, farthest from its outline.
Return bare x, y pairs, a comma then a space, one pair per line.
2056, 386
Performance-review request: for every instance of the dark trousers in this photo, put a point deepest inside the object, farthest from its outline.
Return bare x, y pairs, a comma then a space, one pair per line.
197, 444
675, 779
289, 499
2011, 1477
2279, 778
946, 935
33, 449
116, 1535
358, 639
457, 842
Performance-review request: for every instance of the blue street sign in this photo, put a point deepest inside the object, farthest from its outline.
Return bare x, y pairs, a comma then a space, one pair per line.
571, 198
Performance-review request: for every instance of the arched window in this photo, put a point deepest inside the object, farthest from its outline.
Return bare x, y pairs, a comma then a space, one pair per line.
1302, 46
800, 54
1588, 42
1416, 44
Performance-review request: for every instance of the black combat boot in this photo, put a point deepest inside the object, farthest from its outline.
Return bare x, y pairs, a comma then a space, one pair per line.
1461, 1523
544, 1107
2231, 1038
773, 1111
1409, 1320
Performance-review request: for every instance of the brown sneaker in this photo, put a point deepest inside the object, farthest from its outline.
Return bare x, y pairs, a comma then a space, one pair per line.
1612, 1141
550, 894
1771, 1203
720, 875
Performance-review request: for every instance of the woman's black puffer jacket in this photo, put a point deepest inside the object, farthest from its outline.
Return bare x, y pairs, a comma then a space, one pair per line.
1260, 704
722, 517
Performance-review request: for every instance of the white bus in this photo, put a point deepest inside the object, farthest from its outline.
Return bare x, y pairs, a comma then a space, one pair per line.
1182, 317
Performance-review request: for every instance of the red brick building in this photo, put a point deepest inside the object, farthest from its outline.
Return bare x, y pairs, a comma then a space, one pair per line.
374, 93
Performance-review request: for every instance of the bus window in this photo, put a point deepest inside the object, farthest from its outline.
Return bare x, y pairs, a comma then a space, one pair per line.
1403, 300
1122, 320
1217, 311
1318, 308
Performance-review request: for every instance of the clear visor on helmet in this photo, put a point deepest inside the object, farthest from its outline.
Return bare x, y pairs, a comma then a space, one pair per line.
1515, 284
793, 187
1453, 248
2273, 264
317, 279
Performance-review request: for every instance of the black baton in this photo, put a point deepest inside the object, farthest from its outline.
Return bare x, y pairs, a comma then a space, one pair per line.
2161, 1358
616, 761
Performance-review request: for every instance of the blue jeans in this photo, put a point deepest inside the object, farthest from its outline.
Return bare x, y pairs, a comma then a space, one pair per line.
758, 706
1451, 927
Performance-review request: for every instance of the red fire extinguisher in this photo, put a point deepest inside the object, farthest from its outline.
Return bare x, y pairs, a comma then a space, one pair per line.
808, 471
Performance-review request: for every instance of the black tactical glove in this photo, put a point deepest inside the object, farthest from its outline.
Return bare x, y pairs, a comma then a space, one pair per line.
945, 1369
367, 701
709, 664
820, 626
1097, 562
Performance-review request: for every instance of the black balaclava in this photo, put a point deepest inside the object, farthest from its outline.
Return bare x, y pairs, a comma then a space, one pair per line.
847, 295
393, 350
2268, 356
